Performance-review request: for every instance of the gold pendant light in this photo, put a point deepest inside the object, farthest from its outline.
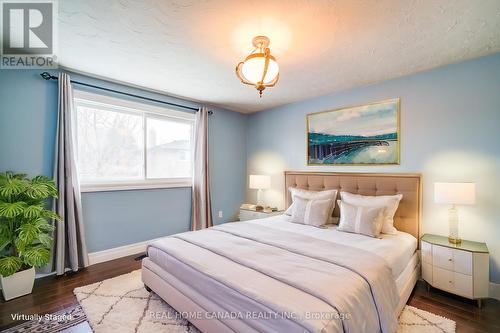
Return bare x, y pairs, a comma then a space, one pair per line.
260, 68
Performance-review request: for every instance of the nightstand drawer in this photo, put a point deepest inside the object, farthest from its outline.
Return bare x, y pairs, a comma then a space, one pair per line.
451, 259
442, 278
442, 257
463, 285
462, 262
453, 282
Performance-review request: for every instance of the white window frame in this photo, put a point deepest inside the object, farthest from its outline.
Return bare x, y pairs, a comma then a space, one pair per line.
147, 110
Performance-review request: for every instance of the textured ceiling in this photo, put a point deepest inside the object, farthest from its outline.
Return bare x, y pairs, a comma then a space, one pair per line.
190, 48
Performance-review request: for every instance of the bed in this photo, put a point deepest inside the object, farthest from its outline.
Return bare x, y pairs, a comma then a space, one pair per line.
270, 275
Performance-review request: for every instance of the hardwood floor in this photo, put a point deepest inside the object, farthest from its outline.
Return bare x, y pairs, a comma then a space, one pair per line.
52, 294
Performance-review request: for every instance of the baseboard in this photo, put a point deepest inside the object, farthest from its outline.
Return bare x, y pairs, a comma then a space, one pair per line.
118, 252
494, 290
109, 254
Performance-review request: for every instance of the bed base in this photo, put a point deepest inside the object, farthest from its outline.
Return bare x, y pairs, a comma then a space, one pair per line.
173, 291
407, 289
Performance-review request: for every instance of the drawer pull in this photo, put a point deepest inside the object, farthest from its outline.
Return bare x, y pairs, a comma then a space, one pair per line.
450, 259
450, 281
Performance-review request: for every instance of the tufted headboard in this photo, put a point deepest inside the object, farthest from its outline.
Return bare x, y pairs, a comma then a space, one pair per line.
407, 216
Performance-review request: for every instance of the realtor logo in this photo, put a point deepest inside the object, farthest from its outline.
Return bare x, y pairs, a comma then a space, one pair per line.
28, 30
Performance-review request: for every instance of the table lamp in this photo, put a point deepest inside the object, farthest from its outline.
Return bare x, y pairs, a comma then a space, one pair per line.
454, 194
259, 183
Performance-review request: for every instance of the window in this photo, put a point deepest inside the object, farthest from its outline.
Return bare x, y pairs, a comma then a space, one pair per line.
129, 145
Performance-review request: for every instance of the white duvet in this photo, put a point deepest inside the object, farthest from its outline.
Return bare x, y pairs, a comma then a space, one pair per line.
397, 249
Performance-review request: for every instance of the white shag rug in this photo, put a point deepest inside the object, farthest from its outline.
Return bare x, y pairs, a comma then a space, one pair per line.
122, 304
413, 320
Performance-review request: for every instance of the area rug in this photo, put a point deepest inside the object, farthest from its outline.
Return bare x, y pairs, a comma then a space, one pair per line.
413, 320
121, 304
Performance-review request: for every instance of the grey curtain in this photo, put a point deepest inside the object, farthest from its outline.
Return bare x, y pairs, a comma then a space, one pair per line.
70, 249
201, 213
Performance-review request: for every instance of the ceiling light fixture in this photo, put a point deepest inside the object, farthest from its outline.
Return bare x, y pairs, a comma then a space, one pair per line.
260, 68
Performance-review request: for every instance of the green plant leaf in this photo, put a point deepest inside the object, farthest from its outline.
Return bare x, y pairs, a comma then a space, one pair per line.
45, 239
40, 179
43, 225
9, 265
13, 186
18, 175
33, 211
4, 178
49, 184
5, 230
36, 256
51, 215
20, 245
28, 232
5, 236
37, 191
4, 242
13, 209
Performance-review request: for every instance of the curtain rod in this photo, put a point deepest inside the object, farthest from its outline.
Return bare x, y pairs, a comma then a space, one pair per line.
47, 76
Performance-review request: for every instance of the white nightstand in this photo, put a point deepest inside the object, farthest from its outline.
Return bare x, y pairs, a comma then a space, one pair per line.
246, 214
461, 269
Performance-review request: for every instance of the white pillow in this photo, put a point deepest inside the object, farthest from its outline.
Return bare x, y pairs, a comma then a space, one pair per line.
361, 219
391, 203
311, 212
313, 195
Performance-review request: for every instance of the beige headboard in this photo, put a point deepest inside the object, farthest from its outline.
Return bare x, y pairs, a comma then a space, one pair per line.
407, 216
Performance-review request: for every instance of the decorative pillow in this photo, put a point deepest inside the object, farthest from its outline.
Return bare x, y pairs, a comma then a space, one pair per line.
313, 195
361, 219
391, 203
311, 212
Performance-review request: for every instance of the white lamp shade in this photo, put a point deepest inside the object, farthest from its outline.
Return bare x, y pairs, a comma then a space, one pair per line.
455, 193
259, 182
253, 69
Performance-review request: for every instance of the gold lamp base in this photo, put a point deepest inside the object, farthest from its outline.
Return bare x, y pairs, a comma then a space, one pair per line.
454, 240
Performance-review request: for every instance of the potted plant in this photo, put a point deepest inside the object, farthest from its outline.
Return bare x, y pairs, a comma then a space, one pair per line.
25, 231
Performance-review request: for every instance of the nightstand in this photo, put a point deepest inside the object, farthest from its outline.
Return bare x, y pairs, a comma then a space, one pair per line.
461, 269
246, 214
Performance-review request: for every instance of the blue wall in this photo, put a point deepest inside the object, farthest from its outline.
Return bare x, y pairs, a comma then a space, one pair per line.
28, 120
28, 110
450, 131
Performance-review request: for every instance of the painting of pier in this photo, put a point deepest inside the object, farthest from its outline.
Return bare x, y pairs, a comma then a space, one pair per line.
359, 135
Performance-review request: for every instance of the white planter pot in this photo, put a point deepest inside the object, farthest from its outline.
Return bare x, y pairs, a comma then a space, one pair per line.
18, 284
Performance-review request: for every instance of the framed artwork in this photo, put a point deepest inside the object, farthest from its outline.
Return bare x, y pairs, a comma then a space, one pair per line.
357, 135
